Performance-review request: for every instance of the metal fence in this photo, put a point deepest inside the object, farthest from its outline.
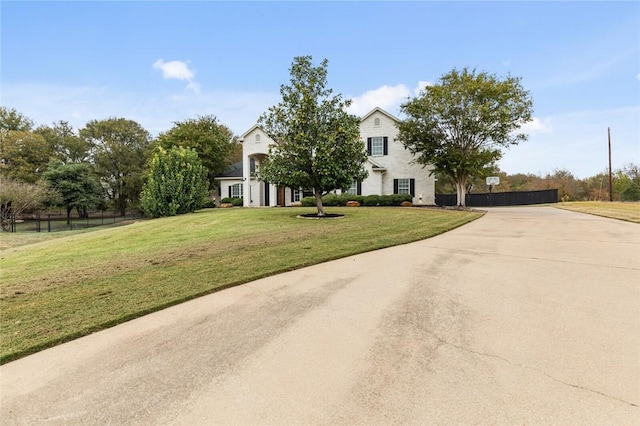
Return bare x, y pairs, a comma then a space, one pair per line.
497, 199
57, 221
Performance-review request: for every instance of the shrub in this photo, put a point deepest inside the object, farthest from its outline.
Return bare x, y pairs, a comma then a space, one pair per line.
237, 202
308, 202
176, 183
371, 200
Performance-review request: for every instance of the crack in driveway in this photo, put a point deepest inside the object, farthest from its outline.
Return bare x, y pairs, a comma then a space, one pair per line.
515, 364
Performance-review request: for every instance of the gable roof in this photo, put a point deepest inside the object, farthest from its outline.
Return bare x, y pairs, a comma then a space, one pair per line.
380, 110
245, 134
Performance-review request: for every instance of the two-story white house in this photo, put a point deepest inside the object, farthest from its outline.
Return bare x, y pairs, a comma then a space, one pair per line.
389, 163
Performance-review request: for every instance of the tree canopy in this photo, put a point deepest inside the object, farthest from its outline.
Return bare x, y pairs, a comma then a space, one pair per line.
78, 187
214, 142
461, 123
119, 148
317, 143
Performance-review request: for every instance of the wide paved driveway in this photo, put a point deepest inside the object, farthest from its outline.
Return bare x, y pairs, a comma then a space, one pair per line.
527, 316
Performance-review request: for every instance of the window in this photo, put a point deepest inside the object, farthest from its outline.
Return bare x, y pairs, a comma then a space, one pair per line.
257, 138
376, 122
404, 186
295, 195
235, 191
377, 146
354, 189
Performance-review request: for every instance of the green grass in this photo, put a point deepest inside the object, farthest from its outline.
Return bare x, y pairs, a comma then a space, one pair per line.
62, 288
629, 211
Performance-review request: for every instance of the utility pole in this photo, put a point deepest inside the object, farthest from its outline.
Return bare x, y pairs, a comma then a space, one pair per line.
610, 178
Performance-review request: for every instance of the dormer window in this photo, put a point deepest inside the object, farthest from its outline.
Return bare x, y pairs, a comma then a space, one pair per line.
376, 122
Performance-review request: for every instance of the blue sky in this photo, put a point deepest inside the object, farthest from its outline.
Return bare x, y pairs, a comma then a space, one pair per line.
161, 62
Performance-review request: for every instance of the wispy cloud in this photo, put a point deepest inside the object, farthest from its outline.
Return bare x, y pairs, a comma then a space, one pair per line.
385, 97
178, 70
537, 125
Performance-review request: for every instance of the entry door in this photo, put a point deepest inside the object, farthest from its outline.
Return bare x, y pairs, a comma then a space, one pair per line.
281, 200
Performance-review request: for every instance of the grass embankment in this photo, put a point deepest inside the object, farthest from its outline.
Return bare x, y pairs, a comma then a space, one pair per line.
629, 211
60, 289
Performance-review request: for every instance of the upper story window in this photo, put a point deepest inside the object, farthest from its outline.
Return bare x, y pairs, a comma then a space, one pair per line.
376, 122
377, 146
257, 138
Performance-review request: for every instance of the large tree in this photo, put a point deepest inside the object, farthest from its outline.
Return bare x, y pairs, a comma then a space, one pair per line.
317, 143
214, 142
120, 149
460, 124
78, 187
175, 183
24, 155
65, 143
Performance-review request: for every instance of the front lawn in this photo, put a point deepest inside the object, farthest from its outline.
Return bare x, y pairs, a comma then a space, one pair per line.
629, 211
66, 287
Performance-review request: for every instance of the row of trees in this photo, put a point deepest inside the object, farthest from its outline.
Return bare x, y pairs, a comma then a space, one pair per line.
626, 184
105, 164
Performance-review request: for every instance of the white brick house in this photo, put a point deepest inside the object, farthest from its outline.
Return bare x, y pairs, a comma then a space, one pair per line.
389, 164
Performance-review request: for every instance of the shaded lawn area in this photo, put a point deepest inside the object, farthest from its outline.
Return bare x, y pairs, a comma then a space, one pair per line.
629, 211
62, 288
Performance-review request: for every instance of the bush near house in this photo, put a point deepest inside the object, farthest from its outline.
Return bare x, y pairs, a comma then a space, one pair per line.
368, 200
237, 202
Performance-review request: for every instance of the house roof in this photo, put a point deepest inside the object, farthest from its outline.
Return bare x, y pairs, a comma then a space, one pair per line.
376, 166
245, 134
235, 170
380, 110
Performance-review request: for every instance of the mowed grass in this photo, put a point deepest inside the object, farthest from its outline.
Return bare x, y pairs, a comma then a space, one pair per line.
629, 211
63, 288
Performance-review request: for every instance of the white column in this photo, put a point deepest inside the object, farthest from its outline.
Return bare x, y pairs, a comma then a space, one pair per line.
246, 181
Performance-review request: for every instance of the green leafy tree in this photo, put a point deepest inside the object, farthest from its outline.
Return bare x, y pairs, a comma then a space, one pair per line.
65, 143
12, 120
78, 187
120, 149
214, 142
317, 143
176, 183
460, 124
24, 155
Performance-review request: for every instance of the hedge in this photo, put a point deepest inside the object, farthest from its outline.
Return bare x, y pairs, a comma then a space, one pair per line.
332, 200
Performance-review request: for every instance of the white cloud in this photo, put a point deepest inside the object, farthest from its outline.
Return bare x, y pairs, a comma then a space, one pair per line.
178, 70
421, 86
386, 97
537, 125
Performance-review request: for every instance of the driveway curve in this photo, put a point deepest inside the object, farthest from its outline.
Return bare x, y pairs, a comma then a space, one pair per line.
529, 315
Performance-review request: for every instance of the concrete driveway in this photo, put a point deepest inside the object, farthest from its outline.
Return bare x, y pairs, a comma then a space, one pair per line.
529, 315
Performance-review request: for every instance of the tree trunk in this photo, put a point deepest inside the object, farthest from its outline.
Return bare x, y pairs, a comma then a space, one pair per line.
461, 191
318, 195
69, 208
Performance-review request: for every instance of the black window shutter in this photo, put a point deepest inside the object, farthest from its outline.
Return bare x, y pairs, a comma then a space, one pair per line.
385, 146
412, 186
359, 188
219, 190
395, 186
229, 191
292, 195
368, 146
